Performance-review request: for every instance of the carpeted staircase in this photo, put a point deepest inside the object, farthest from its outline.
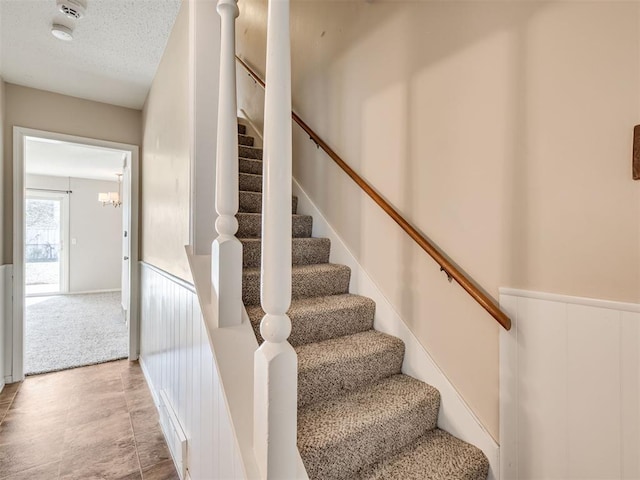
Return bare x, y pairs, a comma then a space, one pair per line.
359, 417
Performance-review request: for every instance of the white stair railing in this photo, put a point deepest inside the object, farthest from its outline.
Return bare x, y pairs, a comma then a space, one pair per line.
276, 363
226, 250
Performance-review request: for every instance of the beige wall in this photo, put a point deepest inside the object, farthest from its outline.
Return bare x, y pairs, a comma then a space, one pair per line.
31, 108
165, 157
501, 130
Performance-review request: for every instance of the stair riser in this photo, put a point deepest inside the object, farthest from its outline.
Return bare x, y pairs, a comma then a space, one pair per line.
342, 460
302, 285
250, 152
318, 384
250, 166
251, 202
245, 140
305, 251
242, 129
250, 183
250, 226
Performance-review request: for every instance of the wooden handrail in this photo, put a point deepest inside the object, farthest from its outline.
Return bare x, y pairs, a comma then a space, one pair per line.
441, 259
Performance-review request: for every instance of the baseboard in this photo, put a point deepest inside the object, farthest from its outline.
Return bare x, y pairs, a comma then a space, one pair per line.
455, 415
84, 292
147, 377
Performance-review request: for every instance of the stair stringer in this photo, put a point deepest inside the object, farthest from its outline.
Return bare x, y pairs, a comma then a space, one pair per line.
455, 416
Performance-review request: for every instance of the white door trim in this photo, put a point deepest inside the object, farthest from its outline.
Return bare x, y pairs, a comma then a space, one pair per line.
19, 136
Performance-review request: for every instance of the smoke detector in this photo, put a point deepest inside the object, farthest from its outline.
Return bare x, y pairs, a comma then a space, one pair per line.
62, 32
74, 9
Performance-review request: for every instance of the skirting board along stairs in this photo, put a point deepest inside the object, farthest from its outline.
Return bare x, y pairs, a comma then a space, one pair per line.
359, 417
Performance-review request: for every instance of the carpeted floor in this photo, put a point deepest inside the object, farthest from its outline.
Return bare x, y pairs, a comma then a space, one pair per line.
69, 331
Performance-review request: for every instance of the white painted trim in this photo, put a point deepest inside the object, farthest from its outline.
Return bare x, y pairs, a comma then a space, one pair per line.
19, 136
64, 231
83, 292
455, 415
17, 343
7, 320
555, 297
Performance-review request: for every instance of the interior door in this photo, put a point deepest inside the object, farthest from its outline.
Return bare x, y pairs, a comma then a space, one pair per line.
126, 238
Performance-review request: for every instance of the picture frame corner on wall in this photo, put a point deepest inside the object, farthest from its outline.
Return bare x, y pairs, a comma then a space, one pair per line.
636, 153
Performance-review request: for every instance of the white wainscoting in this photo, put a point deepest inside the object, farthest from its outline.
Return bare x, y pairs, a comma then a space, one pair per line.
569, 388
177, 360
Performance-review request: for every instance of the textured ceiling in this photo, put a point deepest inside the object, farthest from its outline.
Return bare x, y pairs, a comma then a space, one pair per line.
113, 57
62, 159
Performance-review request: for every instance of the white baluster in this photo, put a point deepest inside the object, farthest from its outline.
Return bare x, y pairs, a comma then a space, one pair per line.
276, 363
226, 250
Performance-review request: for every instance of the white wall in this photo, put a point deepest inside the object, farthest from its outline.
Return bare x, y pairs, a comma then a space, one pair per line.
569, 388
177, 358
95, 260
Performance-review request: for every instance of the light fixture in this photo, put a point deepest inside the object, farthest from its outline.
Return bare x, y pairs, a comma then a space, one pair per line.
62, 32
112, 198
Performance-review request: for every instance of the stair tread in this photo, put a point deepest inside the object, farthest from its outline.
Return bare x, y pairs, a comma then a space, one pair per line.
245, 151
316, 319
250, 175
306, 269
245, 140
311, 280
259, 215
304, 250
249, 182
346, 348
295, 240
250, 225
301, 306
251, 202
340, 436
248, 165
437, 455
339, 365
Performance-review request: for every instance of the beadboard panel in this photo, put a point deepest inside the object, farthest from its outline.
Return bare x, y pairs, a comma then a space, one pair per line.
177, 358
569, 381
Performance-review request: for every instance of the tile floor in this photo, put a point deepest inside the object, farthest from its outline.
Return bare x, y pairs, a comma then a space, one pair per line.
96, 422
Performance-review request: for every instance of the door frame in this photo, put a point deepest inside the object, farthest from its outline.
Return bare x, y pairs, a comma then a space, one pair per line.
64, 233
20, 134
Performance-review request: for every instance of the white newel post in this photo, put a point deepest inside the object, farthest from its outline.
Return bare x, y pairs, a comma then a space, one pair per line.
276, 363
226, 250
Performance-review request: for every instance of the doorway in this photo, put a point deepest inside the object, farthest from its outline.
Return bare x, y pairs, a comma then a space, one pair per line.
62, 259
